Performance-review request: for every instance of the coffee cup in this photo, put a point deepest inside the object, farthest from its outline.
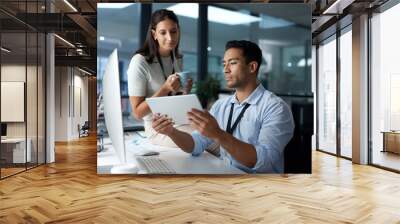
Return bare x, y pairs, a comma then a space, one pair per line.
183, 77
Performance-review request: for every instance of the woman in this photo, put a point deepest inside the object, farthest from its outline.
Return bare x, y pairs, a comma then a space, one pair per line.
153, 71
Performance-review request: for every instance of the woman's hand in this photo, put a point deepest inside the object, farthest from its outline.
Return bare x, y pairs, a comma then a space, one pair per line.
172, 84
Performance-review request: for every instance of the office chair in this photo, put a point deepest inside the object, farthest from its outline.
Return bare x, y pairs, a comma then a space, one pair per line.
84, 130
297, 154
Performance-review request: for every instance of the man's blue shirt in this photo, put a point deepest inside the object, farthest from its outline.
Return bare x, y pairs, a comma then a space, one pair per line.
267, 124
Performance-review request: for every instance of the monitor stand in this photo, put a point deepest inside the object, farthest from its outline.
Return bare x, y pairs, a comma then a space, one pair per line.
124, 169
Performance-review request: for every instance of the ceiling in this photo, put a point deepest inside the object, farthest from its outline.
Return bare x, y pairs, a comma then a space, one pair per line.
292, 13
76, 23
332, 15
119, 29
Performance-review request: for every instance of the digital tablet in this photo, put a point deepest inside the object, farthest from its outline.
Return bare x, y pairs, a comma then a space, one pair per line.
176, 107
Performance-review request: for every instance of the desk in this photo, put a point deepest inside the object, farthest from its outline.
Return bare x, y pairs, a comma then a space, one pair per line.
181, 162
391, 141
16, 147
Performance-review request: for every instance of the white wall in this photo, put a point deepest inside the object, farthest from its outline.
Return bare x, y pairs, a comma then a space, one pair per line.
71, 87
13, 73
61, 103
33, 126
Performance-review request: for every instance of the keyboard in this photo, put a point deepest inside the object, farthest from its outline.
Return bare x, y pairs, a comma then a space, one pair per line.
154, 165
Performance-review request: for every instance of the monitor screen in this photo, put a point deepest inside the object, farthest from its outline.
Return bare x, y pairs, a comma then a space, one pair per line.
112, 105
3, 129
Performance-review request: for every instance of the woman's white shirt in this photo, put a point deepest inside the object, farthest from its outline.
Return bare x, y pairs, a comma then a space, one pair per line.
146, 79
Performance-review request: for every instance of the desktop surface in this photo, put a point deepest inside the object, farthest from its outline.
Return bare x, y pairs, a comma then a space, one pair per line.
181, 162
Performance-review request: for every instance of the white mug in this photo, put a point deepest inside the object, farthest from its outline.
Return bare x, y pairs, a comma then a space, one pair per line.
183, 77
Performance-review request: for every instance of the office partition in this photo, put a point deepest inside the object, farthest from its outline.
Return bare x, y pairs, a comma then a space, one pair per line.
22, 63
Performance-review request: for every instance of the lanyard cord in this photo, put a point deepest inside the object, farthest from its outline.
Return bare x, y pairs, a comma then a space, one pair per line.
230, 129
162, 66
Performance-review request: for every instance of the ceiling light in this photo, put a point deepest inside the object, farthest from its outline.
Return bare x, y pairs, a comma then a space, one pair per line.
109, 40
113, 5
5, 50
70, 5
215, 14
84, 71
302, 62
65, 41
269, 22
338, 6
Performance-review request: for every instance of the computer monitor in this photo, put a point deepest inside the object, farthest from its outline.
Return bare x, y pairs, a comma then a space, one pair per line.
3, 129
113, 113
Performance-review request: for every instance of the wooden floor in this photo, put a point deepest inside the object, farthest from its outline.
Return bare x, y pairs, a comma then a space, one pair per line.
10, 171
387, 159
70, 191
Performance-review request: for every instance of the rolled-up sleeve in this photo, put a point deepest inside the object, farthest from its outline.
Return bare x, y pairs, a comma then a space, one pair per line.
200, 143
276, 131
137, 76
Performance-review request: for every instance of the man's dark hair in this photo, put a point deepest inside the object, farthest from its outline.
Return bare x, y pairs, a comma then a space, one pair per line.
250, 50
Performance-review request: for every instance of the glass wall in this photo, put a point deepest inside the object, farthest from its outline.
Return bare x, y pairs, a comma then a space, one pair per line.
41, 97
327, 95
13, 84
31, 97
117, 28
284, 39
346, 92
22, 91
385, 89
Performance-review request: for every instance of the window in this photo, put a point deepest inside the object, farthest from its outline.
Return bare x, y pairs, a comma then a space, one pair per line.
285, 42
345, 93
385, 88
118, 28
327, 96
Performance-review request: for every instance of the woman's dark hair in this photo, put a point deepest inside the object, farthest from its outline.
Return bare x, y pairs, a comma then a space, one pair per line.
150, 47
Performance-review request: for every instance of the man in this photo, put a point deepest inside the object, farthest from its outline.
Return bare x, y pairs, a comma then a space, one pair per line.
252, 126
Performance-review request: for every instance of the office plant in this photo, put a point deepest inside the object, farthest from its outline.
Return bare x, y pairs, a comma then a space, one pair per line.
207, 90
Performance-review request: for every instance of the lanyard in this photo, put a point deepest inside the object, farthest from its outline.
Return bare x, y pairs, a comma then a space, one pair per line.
230, 129
162, 66
163, 71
